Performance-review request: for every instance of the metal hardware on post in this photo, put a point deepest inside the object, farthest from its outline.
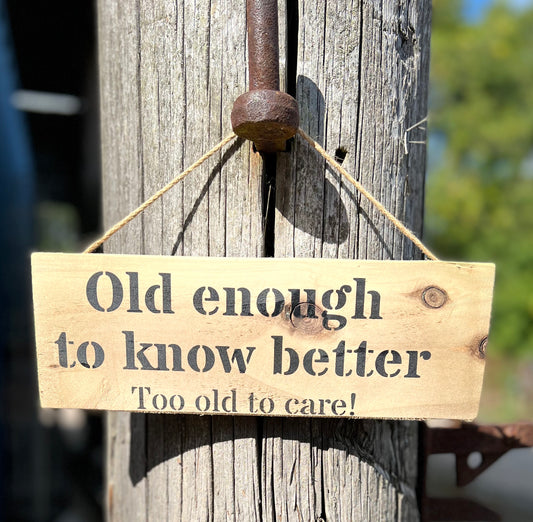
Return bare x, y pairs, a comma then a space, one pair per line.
491, 442
264, 114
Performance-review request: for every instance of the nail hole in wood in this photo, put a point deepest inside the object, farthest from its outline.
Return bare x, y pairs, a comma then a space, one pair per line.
340, 155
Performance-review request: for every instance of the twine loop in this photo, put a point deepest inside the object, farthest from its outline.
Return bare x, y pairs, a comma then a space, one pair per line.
314, 145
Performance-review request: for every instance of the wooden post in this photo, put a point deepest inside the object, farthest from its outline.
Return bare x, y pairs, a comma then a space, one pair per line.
170, 71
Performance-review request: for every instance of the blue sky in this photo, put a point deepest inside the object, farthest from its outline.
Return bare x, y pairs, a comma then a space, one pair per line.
473, 9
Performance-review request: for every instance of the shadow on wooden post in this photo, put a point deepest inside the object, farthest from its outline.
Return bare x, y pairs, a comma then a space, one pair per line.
336, 231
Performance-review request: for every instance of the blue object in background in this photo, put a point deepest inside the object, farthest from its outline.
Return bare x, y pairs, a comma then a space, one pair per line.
16, 163
474, 10
16, 217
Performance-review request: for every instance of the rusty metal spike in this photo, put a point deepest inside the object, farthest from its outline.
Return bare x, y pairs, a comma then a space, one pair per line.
264, 114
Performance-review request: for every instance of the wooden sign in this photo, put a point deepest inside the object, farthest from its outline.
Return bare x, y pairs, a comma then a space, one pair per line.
312, 337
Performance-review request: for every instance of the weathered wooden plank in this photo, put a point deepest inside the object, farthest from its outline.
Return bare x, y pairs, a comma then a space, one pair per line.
310, 337
362, 82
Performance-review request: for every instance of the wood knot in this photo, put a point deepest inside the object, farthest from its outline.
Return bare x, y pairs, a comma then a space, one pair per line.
434, 297
483, 348
307, 318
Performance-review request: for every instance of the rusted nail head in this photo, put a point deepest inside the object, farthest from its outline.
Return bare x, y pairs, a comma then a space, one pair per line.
434, 297
268, 118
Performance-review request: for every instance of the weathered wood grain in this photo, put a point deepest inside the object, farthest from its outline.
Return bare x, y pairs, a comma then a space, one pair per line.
169, 74
184, 326
362, 70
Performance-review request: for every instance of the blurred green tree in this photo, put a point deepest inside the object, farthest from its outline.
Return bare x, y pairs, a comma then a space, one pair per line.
479, 192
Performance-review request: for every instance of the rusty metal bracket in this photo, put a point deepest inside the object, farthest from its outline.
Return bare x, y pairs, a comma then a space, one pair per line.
490, 442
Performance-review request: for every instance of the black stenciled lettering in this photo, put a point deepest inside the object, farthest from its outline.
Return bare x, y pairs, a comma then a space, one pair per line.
161, 356
279, 302
166, 293
340, 302
198, 300
176, 358
237, 358
309, 361
98, 355
360, 368
359, 298
375, 304
251, 400
288, 404
310, 311
217, 403
381, 360
412, 368
338, 403
130, 351
145, 363
149, 299
161, 399
360, 295
140, 390
180, 405
229, 403
231, 302
294, 360
62, 351
340, 352
134, 292
132, 355
341, 297
209, 358
165, 289
202, 403
266, 405
91, 291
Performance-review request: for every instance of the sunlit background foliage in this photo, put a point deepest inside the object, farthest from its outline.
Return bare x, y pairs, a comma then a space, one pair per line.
479, 193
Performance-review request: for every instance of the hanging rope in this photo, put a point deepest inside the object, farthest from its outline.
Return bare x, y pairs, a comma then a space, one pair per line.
336, 166
132, 215
382, 210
